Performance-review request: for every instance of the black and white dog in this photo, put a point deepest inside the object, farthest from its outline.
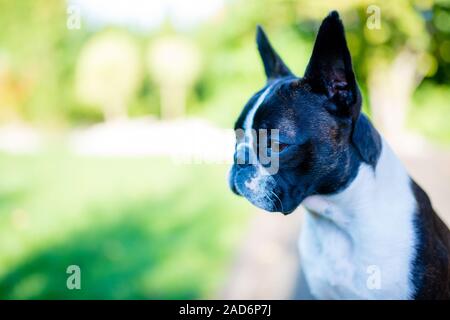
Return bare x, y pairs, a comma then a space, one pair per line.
362, 208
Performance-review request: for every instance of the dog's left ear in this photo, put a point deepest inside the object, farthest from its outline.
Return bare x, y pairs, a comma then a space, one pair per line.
273, 65
330, 71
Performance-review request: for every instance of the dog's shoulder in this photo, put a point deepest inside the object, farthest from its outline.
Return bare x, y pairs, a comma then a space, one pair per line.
431, 266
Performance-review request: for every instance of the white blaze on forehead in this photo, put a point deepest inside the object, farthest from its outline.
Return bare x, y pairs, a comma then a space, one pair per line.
248, 123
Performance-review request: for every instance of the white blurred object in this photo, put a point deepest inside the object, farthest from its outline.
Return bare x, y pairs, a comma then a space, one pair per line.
147, 14
17, 138
185, 141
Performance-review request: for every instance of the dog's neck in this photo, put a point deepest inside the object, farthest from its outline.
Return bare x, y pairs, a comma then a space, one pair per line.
375, 193
370, 223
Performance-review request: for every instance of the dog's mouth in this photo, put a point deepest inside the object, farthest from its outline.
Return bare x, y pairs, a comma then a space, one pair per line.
261, 200
269, 201
262, 193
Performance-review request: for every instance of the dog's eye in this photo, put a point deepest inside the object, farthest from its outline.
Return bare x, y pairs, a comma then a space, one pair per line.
278, 146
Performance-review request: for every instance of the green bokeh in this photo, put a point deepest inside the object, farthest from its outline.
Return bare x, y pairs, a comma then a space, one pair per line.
146, 228
137, 228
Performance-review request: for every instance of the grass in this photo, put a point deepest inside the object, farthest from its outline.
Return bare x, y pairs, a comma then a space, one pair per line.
138, 228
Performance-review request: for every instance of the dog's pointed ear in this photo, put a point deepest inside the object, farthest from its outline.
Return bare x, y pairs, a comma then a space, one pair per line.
273, 65
330, 71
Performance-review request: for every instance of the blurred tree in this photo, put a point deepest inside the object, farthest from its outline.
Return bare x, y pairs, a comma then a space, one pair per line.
174, 63
109, 73
438, 23
39, 54
392, 56
37, 51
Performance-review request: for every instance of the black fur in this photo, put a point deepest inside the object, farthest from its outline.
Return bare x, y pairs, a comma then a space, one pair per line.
330, 71
325, 137
366, 140
431, 266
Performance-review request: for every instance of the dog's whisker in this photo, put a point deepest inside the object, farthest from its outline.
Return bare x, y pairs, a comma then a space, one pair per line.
267, 196
279, 200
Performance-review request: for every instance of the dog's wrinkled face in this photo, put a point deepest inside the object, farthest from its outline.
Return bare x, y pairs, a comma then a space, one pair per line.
317, 149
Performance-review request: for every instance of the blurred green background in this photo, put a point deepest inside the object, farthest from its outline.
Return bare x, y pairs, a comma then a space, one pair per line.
138, 224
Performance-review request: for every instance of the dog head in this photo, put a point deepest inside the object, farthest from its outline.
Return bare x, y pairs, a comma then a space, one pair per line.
314, 129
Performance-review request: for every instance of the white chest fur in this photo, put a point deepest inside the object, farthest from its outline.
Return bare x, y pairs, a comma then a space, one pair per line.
359, 243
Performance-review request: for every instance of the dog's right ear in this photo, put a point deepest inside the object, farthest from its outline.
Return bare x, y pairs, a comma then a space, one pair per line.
330, 70
273, 65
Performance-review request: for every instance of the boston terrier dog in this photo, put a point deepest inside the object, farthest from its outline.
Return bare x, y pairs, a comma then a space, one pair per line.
365, 217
